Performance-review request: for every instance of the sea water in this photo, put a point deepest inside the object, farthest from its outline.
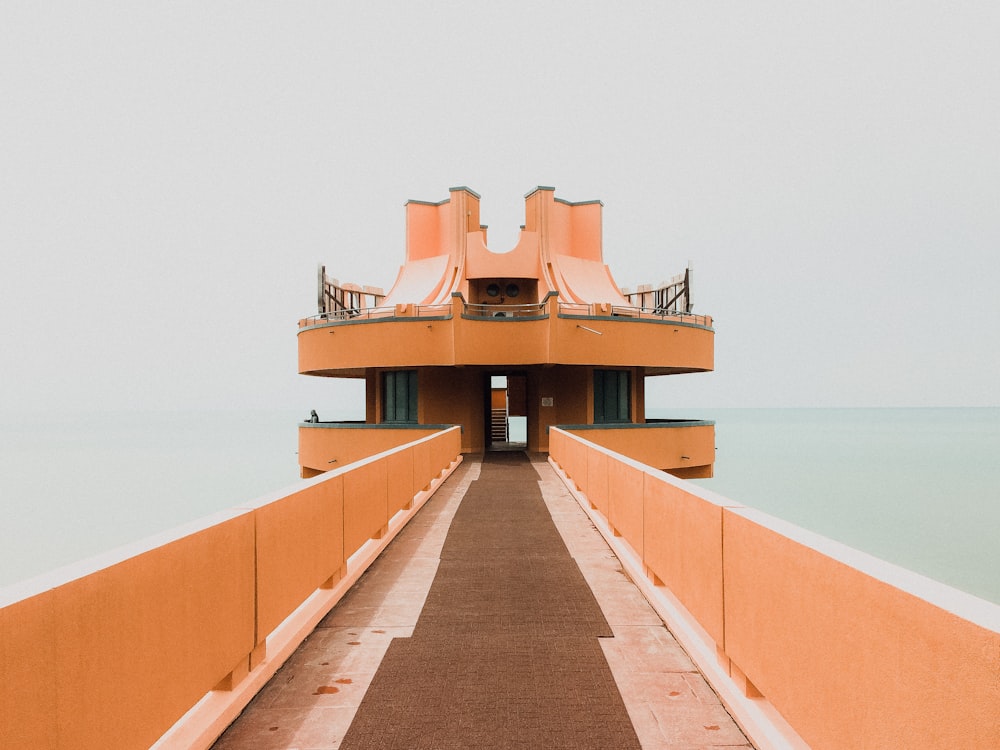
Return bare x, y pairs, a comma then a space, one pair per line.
75, 484
917, 487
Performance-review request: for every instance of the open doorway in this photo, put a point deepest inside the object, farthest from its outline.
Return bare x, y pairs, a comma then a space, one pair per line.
507, 428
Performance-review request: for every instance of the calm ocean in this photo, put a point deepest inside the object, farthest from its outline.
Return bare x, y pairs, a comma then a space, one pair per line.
917, 487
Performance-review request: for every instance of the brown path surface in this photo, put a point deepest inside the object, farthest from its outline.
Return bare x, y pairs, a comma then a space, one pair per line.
505, 653
313, 700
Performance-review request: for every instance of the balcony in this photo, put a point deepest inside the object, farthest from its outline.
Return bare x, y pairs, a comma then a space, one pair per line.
684, 448
345, 342
324, 446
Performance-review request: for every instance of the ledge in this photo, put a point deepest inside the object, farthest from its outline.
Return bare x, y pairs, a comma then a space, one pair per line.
665, 320
652, 423
358, 425
365, 320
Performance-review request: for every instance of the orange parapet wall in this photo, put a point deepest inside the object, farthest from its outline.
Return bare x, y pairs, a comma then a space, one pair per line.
851, 651
554, 334
328, 445
113, 651
684, 448
560, 248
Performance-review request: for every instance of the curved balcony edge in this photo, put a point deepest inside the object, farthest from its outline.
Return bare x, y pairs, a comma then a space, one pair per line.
324, 446
648, 424
668, 319
682, 447
342, 348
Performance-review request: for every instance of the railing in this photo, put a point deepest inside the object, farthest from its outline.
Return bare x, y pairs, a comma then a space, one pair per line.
356, 314
670, 296
649, 424
504, 312
112, 651
333, 296
683, 447
597, 310
328, 445
533, 311
780, 618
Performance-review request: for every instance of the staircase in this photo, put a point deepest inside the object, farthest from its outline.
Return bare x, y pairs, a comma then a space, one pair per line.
498, 425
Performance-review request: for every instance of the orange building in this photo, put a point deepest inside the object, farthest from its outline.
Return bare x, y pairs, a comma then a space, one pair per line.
542, 337
507, 344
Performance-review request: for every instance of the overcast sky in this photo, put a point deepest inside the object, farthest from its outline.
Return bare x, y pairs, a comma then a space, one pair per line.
172, 173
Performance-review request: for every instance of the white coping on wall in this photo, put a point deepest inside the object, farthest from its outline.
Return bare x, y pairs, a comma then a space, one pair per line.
56, 577
981, 612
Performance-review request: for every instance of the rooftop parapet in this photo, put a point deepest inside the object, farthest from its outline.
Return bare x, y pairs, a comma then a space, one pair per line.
559, 251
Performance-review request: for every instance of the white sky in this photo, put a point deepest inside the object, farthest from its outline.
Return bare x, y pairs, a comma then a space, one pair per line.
172, 173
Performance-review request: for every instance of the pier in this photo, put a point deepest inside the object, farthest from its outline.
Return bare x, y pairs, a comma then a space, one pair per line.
421, 588
497, 618
165, 643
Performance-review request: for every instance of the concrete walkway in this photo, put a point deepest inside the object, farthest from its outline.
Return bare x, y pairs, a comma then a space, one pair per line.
311, 701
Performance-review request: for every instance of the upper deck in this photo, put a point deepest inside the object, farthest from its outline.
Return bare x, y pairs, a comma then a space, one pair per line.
549, 301
549, 332
546, 322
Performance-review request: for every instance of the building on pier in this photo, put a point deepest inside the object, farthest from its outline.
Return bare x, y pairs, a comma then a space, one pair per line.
778, 619
507, 344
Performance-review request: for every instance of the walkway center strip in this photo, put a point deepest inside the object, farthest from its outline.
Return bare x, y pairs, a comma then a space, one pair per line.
505, 652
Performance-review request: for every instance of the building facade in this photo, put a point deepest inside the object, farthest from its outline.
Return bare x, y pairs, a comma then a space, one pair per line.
507, 344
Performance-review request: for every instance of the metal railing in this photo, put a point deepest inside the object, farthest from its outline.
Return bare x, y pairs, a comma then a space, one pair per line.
353, 315
504, 312
581, 309
670, 296
532, 311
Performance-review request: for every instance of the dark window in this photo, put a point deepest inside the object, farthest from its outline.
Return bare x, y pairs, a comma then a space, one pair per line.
611, 401
399, 396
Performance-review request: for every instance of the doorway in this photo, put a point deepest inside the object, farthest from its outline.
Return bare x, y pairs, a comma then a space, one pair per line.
507, 412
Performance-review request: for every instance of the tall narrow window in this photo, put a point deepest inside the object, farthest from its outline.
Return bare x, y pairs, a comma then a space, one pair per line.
399, 396
611, 396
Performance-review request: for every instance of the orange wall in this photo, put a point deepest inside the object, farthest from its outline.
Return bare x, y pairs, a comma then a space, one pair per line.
661, 447
162, 628
498, 398
366, 503
853, 652
116, 656
455, 396
682, 548
577, 229
425, 226
626, 343
520, 262
597, 481
300, 544
896, 670
318, 446
111, 652
502, 342
517, 396
28, 638
441, 228
568, 387
347, 348
402, 342
567, 228
625, 481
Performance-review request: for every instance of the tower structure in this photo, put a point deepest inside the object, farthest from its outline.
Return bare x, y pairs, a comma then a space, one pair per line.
506, 344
